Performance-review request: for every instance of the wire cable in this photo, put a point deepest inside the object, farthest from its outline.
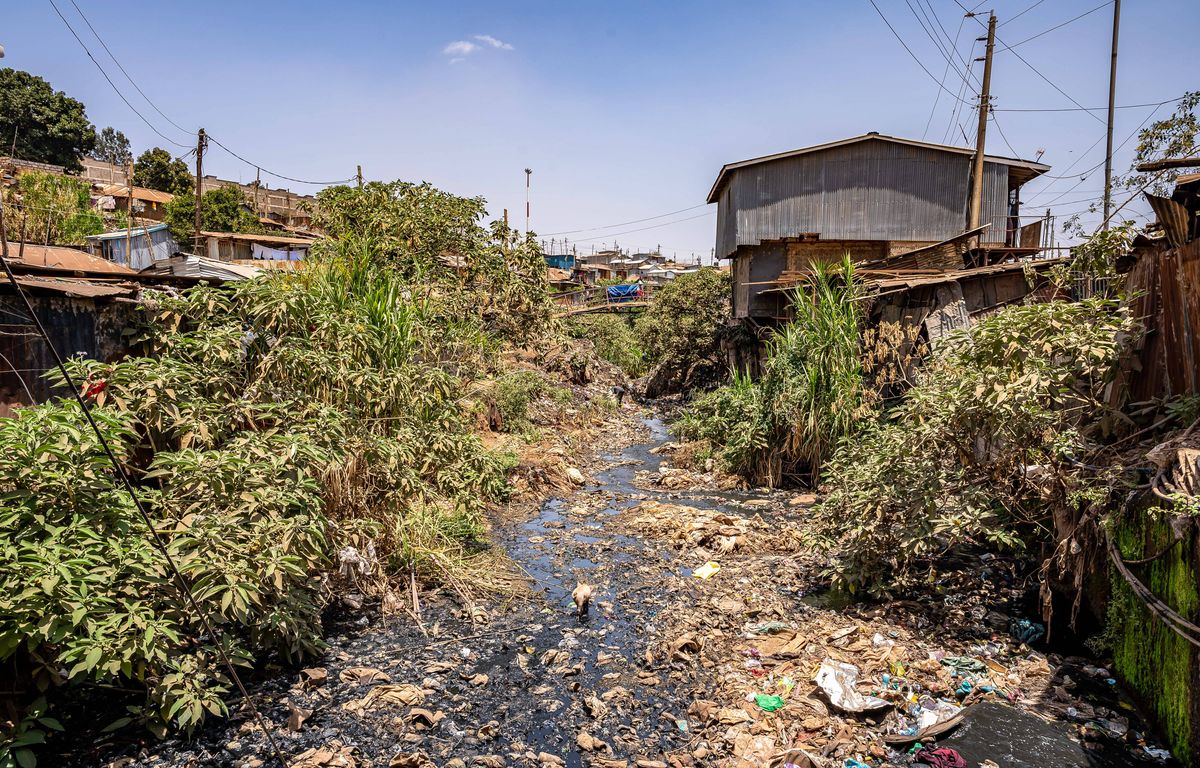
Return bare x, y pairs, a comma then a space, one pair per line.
83, 16
78, 39
910, 53
1057, 26
119, 469
256, 166
641, 229
1088, 109
624, 223
1022, 13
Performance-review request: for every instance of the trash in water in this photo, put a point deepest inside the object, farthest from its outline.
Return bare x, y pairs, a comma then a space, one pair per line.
942, 757
837, 680
707, 570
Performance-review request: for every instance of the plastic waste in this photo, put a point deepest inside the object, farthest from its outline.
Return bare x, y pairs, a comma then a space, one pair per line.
768, 703
879, 641
1026, 631
837, 680
707, 570
964, 664
933, 712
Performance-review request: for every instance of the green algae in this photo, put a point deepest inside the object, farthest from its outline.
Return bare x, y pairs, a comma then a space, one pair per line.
1152, 659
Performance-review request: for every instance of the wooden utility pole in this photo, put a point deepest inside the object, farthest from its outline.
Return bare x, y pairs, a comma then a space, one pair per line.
129, 215
359, 174
975, 205
528, 173
201, 142
1112, 108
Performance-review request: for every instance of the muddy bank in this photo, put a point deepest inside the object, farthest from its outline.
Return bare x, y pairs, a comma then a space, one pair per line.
705, 608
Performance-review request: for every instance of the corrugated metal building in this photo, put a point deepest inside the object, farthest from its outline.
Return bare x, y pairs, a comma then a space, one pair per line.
875, 197
146, 245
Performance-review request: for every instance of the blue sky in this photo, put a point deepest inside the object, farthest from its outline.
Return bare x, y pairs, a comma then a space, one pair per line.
624, 110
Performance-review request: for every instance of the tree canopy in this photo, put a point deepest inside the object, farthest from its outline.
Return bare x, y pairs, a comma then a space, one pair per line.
49, 126
224, 209
112, 147
53, 209
157, 169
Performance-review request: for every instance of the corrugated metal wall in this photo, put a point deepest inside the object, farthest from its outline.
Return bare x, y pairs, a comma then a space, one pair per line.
872, 190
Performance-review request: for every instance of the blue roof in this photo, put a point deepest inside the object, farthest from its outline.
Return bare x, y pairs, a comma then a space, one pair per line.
121, 233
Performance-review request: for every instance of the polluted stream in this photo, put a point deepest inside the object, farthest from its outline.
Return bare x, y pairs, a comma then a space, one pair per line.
537, 683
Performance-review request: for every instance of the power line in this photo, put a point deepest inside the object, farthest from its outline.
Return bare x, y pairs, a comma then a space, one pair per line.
127, 77
910, 53
272, 173
1089, 109
109, 79
643, 229
1057, 26
937, 96
1022, 13
624, 223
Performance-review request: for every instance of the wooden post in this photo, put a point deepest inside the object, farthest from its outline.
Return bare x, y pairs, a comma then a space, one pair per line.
129, 216
975, 207
1112, 107
200, 143
359, 175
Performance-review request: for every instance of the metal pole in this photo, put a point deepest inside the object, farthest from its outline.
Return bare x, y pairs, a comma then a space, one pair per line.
528, 173
975, 208
1112, 108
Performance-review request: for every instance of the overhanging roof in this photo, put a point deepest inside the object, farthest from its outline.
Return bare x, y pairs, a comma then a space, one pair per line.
249, 238
1026, 169
61, 258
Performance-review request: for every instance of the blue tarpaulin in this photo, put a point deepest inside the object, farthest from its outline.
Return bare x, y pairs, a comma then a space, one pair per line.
625, 292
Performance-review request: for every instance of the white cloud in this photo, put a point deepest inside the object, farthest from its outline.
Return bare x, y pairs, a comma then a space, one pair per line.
460, 48
494, 42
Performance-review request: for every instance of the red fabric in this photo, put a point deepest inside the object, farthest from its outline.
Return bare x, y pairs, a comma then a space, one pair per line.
942, 757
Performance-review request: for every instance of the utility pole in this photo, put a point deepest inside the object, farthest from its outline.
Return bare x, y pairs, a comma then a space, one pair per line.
975, 206
1112, 108
129, 215
528, 173
359, 174
201, 143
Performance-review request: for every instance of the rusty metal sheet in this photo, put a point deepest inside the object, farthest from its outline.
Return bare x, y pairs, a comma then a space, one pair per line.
61, 258
1172, 216
76, 287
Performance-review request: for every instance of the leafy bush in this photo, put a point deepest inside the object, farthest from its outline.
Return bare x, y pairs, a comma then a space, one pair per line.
954, 462
512, 394
54, 208
681, 331
615, 340
811, 394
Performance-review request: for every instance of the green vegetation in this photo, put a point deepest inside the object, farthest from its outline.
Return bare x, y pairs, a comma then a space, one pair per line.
615, 340
680, 332
49, 126
298, 430
157, 169
1019, 389
811, 395
112, 146
53, 209
224, 209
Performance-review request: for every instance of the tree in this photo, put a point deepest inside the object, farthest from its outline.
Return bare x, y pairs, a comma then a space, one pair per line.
681, 331
157, 169
49, 126
1171, 137
112, 147
53, 208
224, 209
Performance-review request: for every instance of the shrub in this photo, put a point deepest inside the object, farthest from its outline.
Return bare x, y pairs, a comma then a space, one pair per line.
615, 340
681, 331
952, 462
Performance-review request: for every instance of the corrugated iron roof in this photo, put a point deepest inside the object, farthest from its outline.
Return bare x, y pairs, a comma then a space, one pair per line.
200, 268
1036, 169
120, 234
139, 193
74, 286
249, 238
62, 258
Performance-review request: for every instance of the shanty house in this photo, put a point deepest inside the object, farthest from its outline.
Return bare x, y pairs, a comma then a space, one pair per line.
137, 248
883, 200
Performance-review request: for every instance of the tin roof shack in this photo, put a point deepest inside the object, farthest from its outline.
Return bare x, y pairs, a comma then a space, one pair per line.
146, 245
883, 200
240, 247
147, 203
85, 314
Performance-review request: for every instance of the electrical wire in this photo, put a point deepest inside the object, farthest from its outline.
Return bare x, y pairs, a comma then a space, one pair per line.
1088, 109
641, 229
937, 96
910, 53
1057, 26
155, 536
78, 39
123, 72
624, 223
1022, 13
256, 166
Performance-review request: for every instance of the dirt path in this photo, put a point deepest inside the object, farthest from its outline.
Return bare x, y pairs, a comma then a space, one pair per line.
659, 670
